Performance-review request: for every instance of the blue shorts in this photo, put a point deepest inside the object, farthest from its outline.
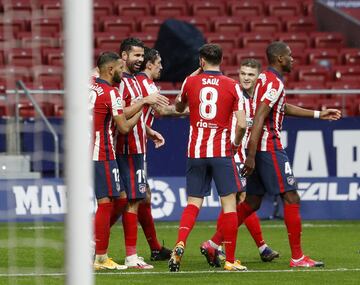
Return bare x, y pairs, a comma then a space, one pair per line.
272, 174
201, 171
107, 180
133, 175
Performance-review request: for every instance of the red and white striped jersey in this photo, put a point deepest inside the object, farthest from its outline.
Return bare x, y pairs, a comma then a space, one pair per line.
147, 87
133, 142
212, 99
240, 156
269, 89
105, 103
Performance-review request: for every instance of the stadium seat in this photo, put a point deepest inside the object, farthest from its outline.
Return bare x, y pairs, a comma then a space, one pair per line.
13, 73
308, 101
59, 111
350, 56
27, 110
258, 54
52, 56
108, 41
3, 110
202, 23
2, 58
246, 8
295, 40
300, 58
21, 8
299, 24
51, 8
29, 40
208, 8
47, 73
311, 73
265, 25
165, 85
115, 24
23, 57
53, 25
343, 85
102, 8
231, 71
171, 8
229, 25
256, 40
323, 57
149, 39
12, 26
331, 101
284, 8
347, 73
327, 40
133, 8
227, 41
151, 24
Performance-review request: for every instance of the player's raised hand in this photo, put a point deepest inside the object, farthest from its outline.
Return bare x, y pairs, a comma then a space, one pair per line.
249, 166
157, 138
156, 98
330, 114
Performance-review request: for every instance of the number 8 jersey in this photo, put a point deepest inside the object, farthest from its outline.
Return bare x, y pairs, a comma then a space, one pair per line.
212, 99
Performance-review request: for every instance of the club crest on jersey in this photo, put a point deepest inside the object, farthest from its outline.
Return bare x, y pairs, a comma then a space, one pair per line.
142, 188
118, 188
271, 95
249, 122
290, 180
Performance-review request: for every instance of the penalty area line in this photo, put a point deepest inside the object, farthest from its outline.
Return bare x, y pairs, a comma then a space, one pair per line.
186, 272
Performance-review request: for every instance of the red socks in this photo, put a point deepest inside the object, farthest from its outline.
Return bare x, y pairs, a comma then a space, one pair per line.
229, 231
130, 232
218, 237
147, 223
117, 210
293, 224
187, 222
243, 211
253, 225
102, 227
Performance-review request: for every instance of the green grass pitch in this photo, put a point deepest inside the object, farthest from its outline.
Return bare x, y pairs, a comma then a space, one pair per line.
34, 254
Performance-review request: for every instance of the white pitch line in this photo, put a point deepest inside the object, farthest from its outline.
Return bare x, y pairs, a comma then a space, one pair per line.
188, 272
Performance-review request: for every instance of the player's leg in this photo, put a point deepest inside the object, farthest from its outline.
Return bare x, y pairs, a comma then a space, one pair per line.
107, 187
119, 205
132, 174
197, 184
227, 181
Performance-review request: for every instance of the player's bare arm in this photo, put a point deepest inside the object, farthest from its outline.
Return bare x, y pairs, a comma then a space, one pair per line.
155, 136
240, 127
170, 110
262, 112
328, 114
179, 105
125, 125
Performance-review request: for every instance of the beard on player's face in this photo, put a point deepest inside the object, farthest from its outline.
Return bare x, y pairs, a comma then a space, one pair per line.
117, 77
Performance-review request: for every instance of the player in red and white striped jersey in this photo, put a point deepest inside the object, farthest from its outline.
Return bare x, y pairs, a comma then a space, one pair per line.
130, 148
266, 155
107, 114
212, 98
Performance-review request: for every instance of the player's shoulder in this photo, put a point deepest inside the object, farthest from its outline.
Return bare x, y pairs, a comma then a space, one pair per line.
266, 77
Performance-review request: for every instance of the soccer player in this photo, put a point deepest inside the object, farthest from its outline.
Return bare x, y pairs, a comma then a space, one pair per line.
212, 98
130, 148
211, 249
105, 103
267, 165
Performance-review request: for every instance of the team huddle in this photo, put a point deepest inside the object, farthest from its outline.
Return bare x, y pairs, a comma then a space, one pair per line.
234, 139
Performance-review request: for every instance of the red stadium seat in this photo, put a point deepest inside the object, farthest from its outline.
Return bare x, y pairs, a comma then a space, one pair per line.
3, 110
299, 24
151, 24
295, 40
231, 71
165, 85
308, 101
343, 85
331, 101
115, 24
265, 25
170, 8
133, 8
208, 8
51, 8
256, 40
48, 73
19, 7
325, 57
241, 54
350, 56
246, 8
29, 40
2, 58
27, 110
327, 40
107, 41
202, 23
226, 41
284, 8
303, 85
102, 8
347, 73
229, 25
13, 73
12, 26
53, 25
310, 73
52, 56
149, 39
59, 111
23, 57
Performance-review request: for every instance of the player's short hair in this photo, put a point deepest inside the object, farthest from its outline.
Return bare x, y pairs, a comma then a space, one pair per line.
211, 53
128, 43
150, 55
106, 57
274, 50
251, 62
